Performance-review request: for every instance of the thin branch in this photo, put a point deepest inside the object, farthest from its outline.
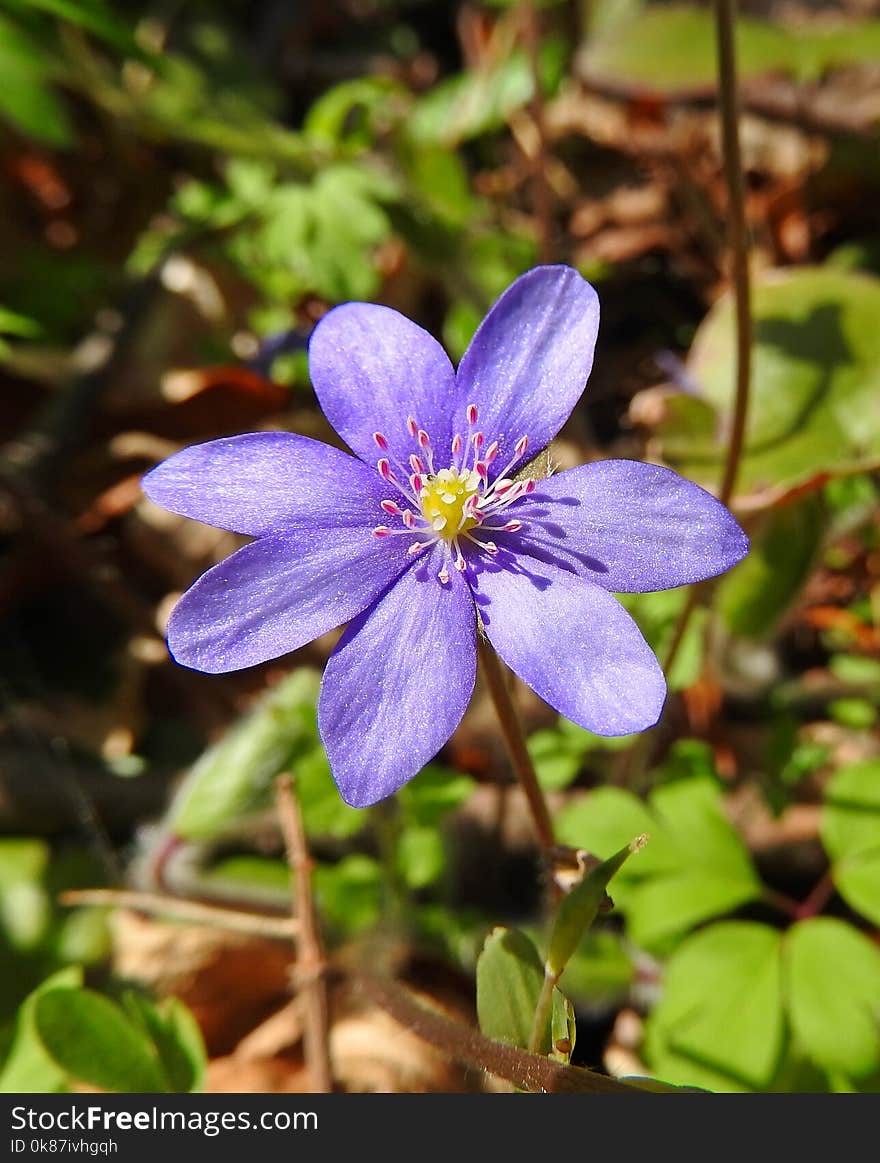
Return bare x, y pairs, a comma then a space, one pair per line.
158, 904
311, 964
728, 96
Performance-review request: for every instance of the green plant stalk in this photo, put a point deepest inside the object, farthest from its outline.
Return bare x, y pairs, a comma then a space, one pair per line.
738, 242
515, 742
725, 28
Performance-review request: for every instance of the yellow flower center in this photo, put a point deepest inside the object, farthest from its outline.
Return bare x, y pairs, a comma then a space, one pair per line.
443, 499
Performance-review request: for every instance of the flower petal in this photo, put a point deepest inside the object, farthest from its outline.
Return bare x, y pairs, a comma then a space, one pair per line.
398, 683
279, 593
632, 527
571, 642
529, 361
264, 481
372, 368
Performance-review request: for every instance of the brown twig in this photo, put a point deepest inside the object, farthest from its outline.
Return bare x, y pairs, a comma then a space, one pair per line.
158, 904
311, 965
527, 1071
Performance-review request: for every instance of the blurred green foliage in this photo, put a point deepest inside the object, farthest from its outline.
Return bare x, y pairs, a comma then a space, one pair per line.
371, 180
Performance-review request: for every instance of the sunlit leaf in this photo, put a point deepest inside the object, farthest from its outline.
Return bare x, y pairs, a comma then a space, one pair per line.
851, 834
833, 994
815, 381
509, 978
671, 48
720, 1023
695, 866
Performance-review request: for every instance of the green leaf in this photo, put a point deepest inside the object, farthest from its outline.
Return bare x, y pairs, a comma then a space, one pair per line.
755, 594
433, 794
481, 100
346, 114
556, 762
851, 834
696, 866
26, 96
579, 907
833, 987
600, 973
419, 856
509, 978
234, 780
671, 48
657, 617
719, 1023
176, 1037
349, 894
93, 1041
815, 381
28, 1068
93, 16
857, 714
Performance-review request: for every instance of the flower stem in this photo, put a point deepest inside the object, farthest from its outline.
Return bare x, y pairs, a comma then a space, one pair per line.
725, 25
515, 742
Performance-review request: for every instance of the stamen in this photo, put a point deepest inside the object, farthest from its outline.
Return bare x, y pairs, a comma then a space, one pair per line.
416, 484
443, 576
390, 508
408, 518
411, 426
472, 413
425, 443
418, 546
456, 445
381, 441
491, 452
416, 464
384, 467
381, 531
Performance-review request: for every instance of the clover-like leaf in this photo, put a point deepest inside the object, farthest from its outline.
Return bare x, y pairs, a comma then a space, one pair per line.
833, 995
720, 1021
815, 380
851, 834
694, 868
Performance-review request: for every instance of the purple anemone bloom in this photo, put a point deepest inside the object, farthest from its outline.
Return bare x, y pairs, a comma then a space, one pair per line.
437, 525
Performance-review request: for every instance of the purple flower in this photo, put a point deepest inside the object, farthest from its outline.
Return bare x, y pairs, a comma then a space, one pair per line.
434, 523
